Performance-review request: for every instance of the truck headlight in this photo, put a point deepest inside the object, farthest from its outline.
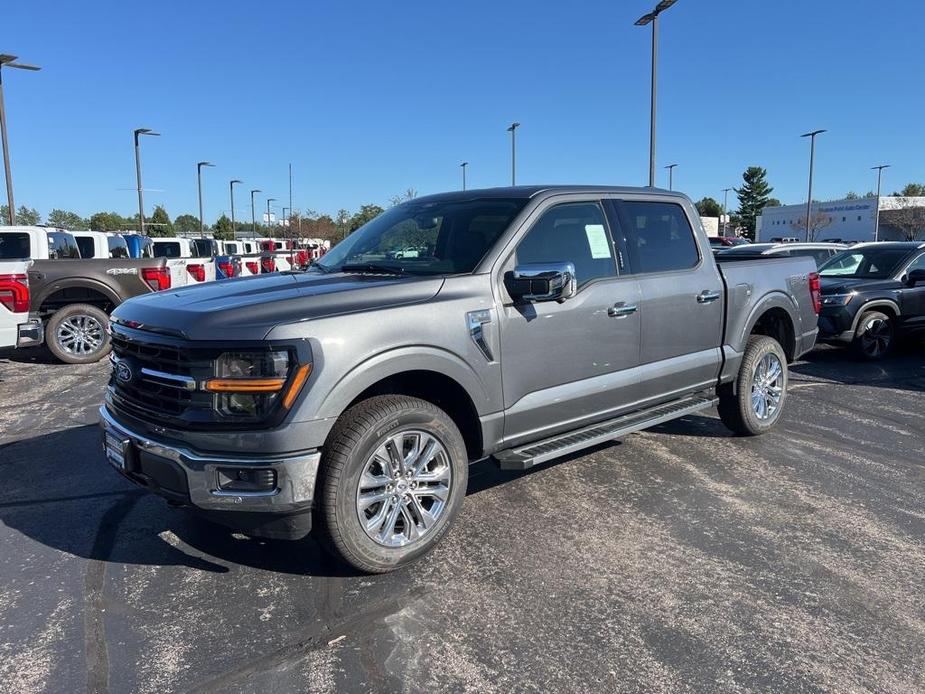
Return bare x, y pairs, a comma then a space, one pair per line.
837, 299
248, 384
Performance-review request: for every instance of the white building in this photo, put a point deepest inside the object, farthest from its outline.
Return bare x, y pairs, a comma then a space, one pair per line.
848, 219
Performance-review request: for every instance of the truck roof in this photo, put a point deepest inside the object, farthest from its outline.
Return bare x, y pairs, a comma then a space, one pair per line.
534, 190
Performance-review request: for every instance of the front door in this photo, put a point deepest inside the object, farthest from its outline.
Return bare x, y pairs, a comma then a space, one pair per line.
571, 363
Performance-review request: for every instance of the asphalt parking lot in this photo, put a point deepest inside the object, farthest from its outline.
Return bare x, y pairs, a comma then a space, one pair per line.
682, 559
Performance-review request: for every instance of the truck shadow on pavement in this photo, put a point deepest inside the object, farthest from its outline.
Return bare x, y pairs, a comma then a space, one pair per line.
30, 355
903, 369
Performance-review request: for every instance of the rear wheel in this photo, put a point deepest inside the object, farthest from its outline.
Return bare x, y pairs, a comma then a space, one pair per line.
874, 336
754, 403
392, 479
77, 334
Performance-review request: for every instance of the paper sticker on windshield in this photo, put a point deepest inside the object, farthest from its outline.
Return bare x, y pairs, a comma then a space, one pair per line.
597, 240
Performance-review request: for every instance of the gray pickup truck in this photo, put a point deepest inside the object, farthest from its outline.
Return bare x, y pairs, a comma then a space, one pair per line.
527, 323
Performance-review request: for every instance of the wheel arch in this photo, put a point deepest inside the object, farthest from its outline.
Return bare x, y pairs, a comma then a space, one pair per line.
774, 316
887, 306
77, 291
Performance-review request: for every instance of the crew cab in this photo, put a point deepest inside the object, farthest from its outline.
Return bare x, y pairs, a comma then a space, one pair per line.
100, 244
873, 294
187, 265
533, 322
74, 296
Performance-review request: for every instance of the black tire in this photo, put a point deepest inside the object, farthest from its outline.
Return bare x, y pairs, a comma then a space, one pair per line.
874, 336
68, 352
736, 408
356, 437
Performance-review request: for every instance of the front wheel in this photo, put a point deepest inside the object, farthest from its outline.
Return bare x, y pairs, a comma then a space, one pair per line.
874, 336
77, 334
392, 478
753, 404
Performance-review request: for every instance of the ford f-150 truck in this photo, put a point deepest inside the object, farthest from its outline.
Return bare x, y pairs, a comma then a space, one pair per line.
184, 261
532, 322
74, 296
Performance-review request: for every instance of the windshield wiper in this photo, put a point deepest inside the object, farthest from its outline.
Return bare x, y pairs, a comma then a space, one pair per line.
318, 266
373, 268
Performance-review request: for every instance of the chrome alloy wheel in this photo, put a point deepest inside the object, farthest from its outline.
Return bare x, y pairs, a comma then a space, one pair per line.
80, 335
875, 340
767, 386
403, 489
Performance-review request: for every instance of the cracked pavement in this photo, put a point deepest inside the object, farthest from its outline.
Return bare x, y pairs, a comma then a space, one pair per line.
680, 559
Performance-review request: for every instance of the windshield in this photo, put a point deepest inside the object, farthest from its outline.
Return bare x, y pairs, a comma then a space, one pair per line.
866, 263
437, 237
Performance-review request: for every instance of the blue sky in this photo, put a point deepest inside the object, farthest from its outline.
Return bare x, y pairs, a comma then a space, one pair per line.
367, 99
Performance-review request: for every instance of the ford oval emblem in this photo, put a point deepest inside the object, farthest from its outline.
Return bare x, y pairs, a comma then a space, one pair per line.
124, 372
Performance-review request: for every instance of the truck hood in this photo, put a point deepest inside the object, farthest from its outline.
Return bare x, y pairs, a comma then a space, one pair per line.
247, 308
842, 285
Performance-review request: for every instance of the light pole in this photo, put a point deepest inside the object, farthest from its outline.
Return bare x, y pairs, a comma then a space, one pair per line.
512, 128
199, 165
879, 169
463, 167
809, 195
254, 210
269, 200
234, 229
141, 199
284, 220
8, 61
725, 211
652, 18
670, 168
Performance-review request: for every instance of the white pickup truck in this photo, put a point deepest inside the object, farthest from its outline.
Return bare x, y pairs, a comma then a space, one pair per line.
17, 329
100, 244
183, 261
249, 252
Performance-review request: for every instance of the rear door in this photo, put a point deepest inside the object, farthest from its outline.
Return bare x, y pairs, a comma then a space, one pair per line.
681, 299
570, 363
913, 298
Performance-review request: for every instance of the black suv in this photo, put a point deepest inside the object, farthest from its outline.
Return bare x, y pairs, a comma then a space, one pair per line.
871, 294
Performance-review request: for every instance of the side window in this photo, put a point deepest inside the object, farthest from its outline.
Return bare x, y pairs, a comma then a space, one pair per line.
62, 245
85, 245
118, 248
571, 233
659, 236
917, 264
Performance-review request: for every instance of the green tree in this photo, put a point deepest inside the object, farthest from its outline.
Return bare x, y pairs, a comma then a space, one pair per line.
67, 220
870, 194
912, 190
222, 228
107, 221
160, 224
28, 216
773, 202
365, 214
753, 196
851, 195
708, 207
342, 221
186, 224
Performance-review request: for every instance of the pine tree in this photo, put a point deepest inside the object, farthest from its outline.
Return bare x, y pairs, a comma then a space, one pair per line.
753, 197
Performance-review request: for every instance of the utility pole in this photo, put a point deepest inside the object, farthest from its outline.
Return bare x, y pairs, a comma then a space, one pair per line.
199, 165
463, 167
9, 61
512, 130
254, 211
809, 195
141, 199
725, 209
234, 229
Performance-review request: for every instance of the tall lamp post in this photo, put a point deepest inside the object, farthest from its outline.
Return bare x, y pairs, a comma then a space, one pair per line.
9, 61
670, 168
879, 169
269, 200
463, 167
652, 18
809, 195
284, 220
725, 209
254, 210
199, 165
512, 129
141, 200
234, 229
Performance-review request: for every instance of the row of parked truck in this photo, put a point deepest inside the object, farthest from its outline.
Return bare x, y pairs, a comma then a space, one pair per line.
59, 286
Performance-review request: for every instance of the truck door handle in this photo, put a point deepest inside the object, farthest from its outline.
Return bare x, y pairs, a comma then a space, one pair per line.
621, 310
707, 297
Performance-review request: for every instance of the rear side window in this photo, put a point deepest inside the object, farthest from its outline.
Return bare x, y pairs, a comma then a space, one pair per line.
61, 245
571, 233
118, 248
166, 249
659, 236
231, 248
85, 245
14, 245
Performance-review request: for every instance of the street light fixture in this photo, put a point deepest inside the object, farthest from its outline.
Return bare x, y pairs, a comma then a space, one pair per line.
199, 165
9, 61
463, 167
512, 128
652, 18
725, 211
254, 211
809, 195
231, 183
879, 169
141, 200
670, 168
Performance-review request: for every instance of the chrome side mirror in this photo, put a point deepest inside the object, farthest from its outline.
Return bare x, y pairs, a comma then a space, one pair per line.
536, 282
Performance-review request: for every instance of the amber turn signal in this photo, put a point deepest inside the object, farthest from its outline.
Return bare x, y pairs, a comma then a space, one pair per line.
301, 375
244, 385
